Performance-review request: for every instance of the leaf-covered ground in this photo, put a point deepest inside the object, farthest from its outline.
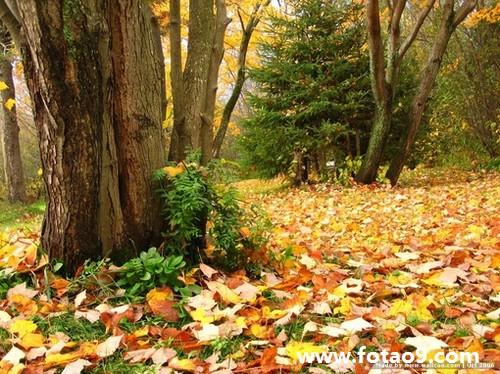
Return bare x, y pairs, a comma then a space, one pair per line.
395, 269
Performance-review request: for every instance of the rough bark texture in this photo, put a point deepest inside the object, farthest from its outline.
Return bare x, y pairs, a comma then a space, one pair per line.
95, 75
179, 131
9, 137
382, 93
449, 21
207, 124
201, 31
240, 78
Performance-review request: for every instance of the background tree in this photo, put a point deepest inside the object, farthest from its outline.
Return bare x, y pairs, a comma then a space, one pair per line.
450, 18
224, 86
384, 71
312, 88
95, 74
247, 32
188, 119
9, 128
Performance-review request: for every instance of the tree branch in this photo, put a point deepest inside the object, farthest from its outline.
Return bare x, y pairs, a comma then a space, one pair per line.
462, 12
416, 29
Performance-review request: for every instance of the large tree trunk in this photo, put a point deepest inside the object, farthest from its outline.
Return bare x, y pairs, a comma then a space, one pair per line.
95, 75
449, 21
9, 137
201, 31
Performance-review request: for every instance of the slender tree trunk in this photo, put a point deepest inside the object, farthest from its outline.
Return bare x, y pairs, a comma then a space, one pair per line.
9, 137
240, 78
382, 93
95, 75
378, 137
201, 31
449, 22
179, 133
207, 125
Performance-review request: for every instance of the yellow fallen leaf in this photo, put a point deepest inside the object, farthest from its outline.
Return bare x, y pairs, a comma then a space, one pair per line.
226, 294
3, 86
400, 306
31, 340
9, 104
22, 327
182, 364
294, 349
259, 331
201, 316
272, 314
345, 306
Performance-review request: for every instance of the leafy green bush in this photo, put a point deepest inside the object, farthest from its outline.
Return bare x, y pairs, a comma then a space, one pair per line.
348, 170
150, 270
206, 220
493, 165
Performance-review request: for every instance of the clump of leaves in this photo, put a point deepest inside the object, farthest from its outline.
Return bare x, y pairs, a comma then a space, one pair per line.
7, 281
206, 219
150, 270
349, 169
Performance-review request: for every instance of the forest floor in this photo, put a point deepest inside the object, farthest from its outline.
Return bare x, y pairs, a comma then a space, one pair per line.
396, 269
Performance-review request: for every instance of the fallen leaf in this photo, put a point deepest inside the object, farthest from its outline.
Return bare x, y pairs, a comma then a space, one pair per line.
109, 346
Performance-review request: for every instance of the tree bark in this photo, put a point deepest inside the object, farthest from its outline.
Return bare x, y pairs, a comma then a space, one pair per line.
382, 93
207, 124
179, 131
201, 31
240, 78
449, 21
9, 137
95, 75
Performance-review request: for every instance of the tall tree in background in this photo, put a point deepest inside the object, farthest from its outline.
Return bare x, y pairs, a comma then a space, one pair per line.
312, 90
188, 118
95, 74
194, 88
385, 73
9, 128
384, 70
450, 19
247, 32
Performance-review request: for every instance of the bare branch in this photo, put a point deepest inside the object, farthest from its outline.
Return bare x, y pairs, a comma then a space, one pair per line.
462, 12
416, 29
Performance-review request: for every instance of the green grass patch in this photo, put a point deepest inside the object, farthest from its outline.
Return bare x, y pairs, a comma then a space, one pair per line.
115, 364
21, 216
77, 329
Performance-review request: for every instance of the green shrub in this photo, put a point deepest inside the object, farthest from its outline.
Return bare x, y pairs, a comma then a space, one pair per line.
7, 281
150, 270
348, 170
206, 219
493, 165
